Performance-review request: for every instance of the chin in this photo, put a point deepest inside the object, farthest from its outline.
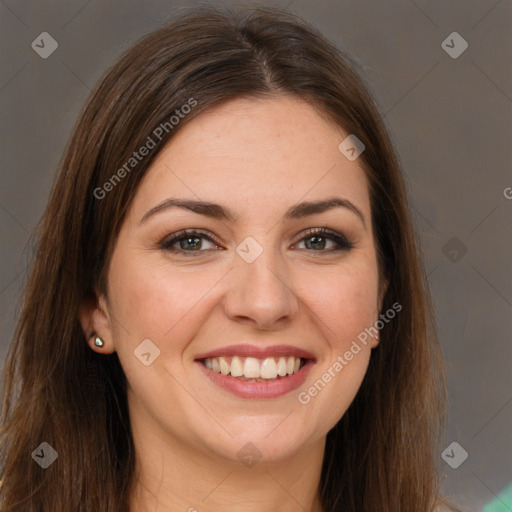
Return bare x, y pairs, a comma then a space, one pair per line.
267, 439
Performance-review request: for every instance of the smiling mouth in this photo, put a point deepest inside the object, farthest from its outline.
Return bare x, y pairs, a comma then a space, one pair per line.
252, 369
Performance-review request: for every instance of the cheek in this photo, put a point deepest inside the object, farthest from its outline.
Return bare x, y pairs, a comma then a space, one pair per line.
165, 305
346, 303
156, 301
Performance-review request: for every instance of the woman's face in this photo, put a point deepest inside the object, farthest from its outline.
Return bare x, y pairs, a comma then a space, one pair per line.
251, 284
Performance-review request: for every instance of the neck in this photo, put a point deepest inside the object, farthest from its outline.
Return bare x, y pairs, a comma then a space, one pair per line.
173, 476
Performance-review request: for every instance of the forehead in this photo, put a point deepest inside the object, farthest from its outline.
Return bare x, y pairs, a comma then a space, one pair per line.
255, 152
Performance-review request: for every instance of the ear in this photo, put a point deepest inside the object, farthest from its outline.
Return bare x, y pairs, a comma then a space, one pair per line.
95, 320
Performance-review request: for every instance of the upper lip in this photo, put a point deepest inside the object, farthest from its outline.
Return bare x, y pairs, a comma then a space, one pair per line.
257, 351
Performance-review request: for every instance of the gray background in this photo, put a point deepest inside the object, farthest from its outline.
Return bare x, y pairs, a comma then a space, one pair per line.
450, 119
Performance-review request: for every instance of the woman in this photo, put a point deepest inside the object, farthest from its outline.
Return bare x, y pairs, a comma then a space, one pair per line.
227, 309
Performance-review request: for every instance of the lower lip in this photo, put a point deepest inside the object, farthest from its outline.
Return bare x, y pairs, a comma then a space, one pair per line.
248, 389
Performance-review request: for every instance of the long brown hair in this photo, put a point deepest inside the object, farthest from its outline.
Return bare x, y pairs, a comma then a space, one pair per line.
380, 457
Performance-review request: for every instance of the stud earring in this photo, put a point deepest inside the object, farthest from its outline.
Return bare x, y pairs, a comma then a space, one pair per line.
98, 342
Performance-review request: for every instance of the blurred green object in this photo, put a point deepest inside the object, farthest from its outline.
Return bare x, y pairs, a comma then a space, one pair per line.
503, 503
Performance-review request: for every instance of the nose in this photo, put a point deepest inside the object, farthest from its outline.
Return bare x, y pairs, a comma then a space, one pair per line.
261, 293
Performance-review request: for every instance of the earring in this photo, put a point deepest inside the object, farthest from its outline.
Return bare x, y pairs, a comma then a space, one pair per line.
98, 342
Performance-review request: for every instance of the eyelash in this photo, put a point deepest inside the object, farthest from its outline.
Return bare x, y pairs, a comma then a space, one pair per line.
341, 241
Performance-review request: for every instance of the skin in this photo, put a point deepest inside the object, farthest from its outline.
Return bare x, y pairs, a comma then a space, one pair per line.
258, 158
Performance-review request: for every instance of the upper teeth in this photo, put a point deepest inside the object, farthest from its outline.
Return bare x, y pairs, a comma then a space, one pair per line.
252, 368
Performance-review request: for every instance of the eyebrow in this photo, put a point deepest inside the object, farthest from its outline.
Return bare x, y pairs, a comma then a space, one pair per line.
216, 211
